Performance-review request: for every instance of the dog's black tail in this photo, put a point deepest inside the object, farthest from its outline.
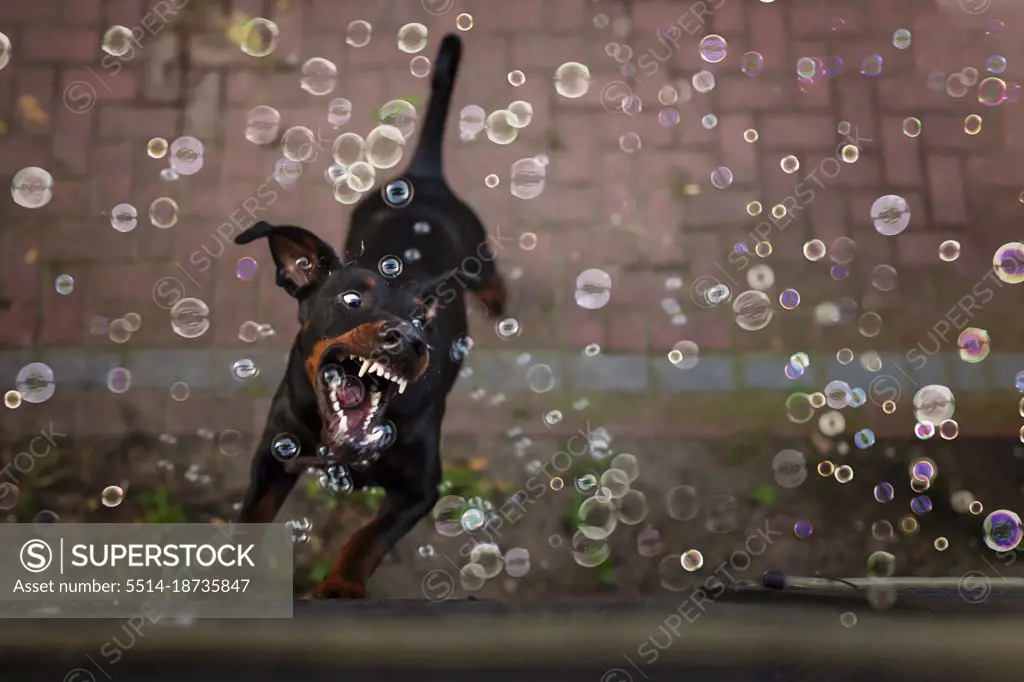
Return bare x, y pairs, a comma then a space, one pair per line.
428, 160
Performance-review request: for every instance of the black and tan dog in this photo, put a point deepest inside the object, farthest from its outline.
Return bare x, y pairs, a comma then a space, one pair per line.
376, 346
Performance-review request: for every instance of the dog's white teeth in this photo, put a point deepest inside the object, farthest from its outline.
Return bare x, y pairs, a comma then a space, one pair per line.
402, 384
377, 369
366, 366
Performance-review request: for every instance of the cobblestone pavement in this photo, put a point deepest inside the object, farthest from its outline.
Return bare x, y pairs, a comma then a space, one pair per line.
644, 218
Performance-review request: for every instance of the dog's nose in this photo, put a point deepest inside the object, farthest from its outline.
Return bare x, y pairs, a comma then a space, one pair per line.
398, 337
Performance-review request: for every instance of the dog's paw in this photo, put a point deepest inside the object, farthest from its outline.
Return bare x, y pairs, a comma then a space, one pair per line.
336, 588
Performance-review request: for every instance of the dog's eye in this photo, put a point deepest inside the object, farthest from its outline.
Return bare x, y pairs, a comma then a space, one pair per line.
351, 299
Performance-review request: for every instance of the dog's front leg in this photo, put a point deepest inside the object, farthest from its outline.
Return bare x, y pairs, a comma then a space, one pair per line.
364, 551
269, 486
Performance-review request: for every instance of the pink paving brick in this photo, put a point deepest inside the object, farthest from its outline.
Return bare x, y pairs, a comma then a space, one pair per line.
627, 214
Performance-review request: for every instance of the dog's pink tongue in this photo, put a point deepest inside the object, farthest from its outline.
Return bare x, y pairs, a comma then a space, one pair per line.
351, 392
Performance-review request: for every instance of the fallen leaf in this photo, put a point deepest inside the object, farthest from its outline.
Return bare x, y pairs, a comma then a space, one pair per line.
31, 110
284, 5
3, 128
477, 464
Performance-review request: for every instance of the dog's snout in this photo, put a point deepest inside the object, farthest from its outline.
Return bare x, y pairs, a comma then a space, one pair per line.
403, 336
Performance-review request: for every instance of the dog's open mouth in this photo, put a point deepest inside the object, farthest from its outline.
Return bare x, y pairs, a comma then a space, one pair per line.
353, 393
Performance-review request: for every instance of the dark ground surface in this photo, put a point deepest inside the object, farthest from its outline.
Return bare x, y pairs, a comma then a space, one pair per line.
574, 639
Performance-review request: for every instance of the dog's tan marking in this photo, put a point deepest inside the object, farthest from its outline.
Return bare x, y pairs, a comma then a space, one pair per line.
424, 363
289, 251
359, 341
494, 296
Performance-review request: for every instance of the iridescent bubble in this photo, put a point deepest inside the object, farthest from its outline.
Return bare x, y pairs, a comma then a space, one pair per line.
572, 80
949, 250
119, 380
339, 112
806, 67
871, 65
974, 344
833, 66
629, 142
922, 470
245, 269
912, 127
703, 81
996, 64
684, 355
472, 119
412, 38
924, 430
890, 215
972, 124
992, 91
884, 492
124, 217
358, 33
593, 289
501, 127
35, 383
1008, 262
190, 318
691, 560
753, 310
1002, 531
956, 85
259, 37
527, 178
803, 529
419, 66
799, 409
668, 117
864, 439
901, 39
884, 277
789, 299
384, 147
814, 250
713, 48
186, 156
32, 187
752, 63
522, 112
922, 504
262, 125
298, 144
721, 177
64, 284
934, 403
837, 394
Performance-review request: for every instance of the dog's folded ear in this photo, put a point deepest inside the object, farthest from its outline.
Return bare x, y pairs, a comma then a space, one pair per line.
303, 260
